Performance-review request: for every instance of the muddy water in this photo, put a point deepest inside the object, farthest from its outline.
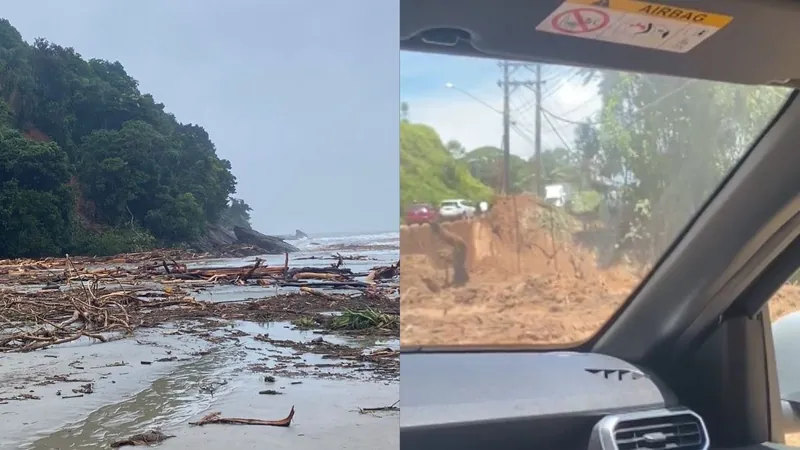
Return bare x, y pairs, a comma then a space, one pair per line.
135, 397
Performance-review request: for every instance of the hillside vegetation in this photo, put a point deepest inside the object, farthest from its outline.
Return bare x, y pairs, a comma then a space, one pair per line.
89, 164
430, 173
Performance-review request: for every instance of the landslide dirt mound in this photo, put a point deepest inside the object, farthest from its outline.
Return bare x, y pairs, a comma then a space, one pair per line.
520, 235
529, 281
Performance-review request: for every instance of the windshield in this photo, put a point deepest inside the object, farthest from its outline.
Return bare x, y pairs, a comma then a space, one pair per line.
625, 161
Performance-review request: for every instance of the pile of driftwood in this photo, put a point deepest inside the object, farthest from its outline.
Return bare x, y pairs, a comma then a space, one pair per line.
35, 320
331, 277
65, 300
56, 272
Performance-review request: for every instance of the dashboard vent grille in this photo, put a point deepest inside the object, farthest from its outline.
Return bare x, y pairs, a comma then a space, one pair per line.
683, 431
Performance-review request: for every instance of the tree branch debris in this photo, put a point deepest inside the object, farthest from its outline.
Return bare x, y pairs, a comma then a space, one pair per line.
56, 301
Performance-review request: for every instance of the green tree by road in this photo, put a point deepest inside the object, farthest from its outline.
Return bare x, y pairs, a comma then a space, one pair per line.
430, 173
667, 143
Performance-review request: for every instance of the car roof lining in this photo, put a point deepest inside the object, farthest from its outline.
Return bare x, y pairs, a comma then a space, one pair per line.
756, 199
505, 29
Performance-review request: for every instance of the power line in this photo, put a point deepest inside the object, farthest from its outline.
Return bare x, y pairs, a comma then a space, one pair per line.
634, 114
563, 119
509, 87
555, 131
561, 84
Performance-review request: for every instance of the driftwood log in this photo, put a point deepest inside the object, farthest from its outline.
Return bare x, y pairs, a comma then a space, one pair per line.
215, 418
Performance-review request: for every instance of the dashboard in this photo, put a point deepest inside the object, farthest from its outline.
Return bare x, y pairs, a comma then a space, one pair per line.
556, 400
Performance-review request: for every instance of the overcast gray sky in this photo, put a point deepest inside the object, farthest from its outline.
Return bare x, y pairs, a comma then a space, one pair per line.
300, 95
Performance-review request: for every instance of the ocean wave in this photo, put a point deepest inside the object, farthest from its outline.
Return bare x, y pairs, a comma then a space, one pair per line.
387, 240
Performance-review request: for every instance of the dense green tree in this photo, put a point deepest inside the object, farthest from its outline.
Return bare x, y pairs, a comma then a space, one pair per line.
237, 213
486, 164
90, 164
667, 143
455, 148
559, 165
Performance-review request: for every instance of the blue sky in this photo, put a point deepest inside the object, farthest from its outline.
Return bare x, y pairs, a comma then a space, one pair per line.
457, 116
300, 95
424, 74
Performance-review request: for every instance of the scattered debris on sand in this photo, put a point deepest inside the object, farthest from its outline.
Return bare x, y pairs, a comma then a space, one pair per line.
143, 439
392, 407
383, 363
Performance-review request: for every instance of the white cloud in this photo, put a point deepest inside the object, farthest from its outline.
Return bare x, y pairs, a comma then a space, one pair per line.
457, 116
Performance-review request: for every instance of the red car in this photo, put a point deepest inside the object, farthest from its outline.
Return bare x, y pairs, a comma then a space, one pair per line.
420, 213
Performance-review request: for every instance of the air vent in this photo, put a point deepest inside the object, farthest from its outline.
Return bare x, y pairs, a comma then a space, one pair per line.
663, 429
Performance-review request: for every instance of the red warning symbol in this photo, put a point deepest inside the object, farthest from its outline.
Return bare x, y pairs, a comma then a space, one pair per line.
579, 21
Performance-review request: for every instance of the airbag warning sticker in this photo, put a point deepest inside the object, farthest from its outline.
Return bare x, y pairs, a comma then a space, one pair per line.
630, 22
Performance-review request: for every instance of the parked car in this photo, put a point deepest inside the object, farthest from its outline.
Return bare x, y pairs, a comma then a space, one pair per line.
456, 209
421, 213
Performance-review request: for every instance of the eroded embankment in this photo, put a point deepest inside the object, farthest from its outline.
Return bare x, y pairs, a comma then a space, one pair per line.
531, 280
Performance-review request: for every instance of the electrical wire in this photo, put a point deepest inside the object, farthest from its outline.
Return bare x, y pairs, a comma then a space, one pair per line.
635, 113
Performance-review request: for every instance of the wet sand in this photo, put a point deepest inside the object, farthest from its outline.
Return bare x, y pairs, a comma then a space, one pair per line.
330, 419
130, 397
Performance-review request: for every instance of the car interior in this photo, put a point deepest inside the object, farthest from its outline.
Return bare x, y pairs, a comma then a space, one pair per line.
691, 361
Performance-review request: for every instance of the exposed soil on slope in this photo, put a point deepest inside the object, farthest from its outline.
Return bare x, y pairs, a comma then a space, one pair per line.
530, 281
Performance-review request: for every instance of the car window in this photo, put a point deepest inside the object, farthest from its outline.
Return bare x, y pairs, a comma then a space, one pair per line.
636, 157
785, 304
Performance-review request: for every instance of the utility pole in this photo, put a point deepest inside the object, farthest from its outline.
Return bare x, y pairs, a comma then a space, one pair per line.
509, 86
538, 132
506, 128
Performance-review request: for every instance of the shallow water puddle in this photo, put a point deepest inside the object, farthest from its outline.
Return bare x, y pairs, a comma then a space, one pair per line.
166, 402
114, 369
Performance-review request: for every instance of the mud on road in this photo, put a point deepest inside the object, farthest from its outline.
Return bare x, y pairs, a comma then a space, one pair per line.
92, 353
532, 279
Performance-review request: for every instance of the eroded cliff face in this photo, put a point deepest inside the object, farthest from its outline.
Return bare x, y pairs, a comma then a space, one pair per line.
220, 236
216, 237
272, 244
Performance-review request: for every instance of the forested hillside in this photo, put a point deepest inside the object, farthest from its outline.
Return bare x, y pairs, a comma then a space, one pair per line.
429, 173
91, 165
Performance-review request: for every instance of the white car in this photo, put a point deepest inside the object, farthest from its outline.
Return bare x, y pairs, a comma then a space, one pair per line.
456, 209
